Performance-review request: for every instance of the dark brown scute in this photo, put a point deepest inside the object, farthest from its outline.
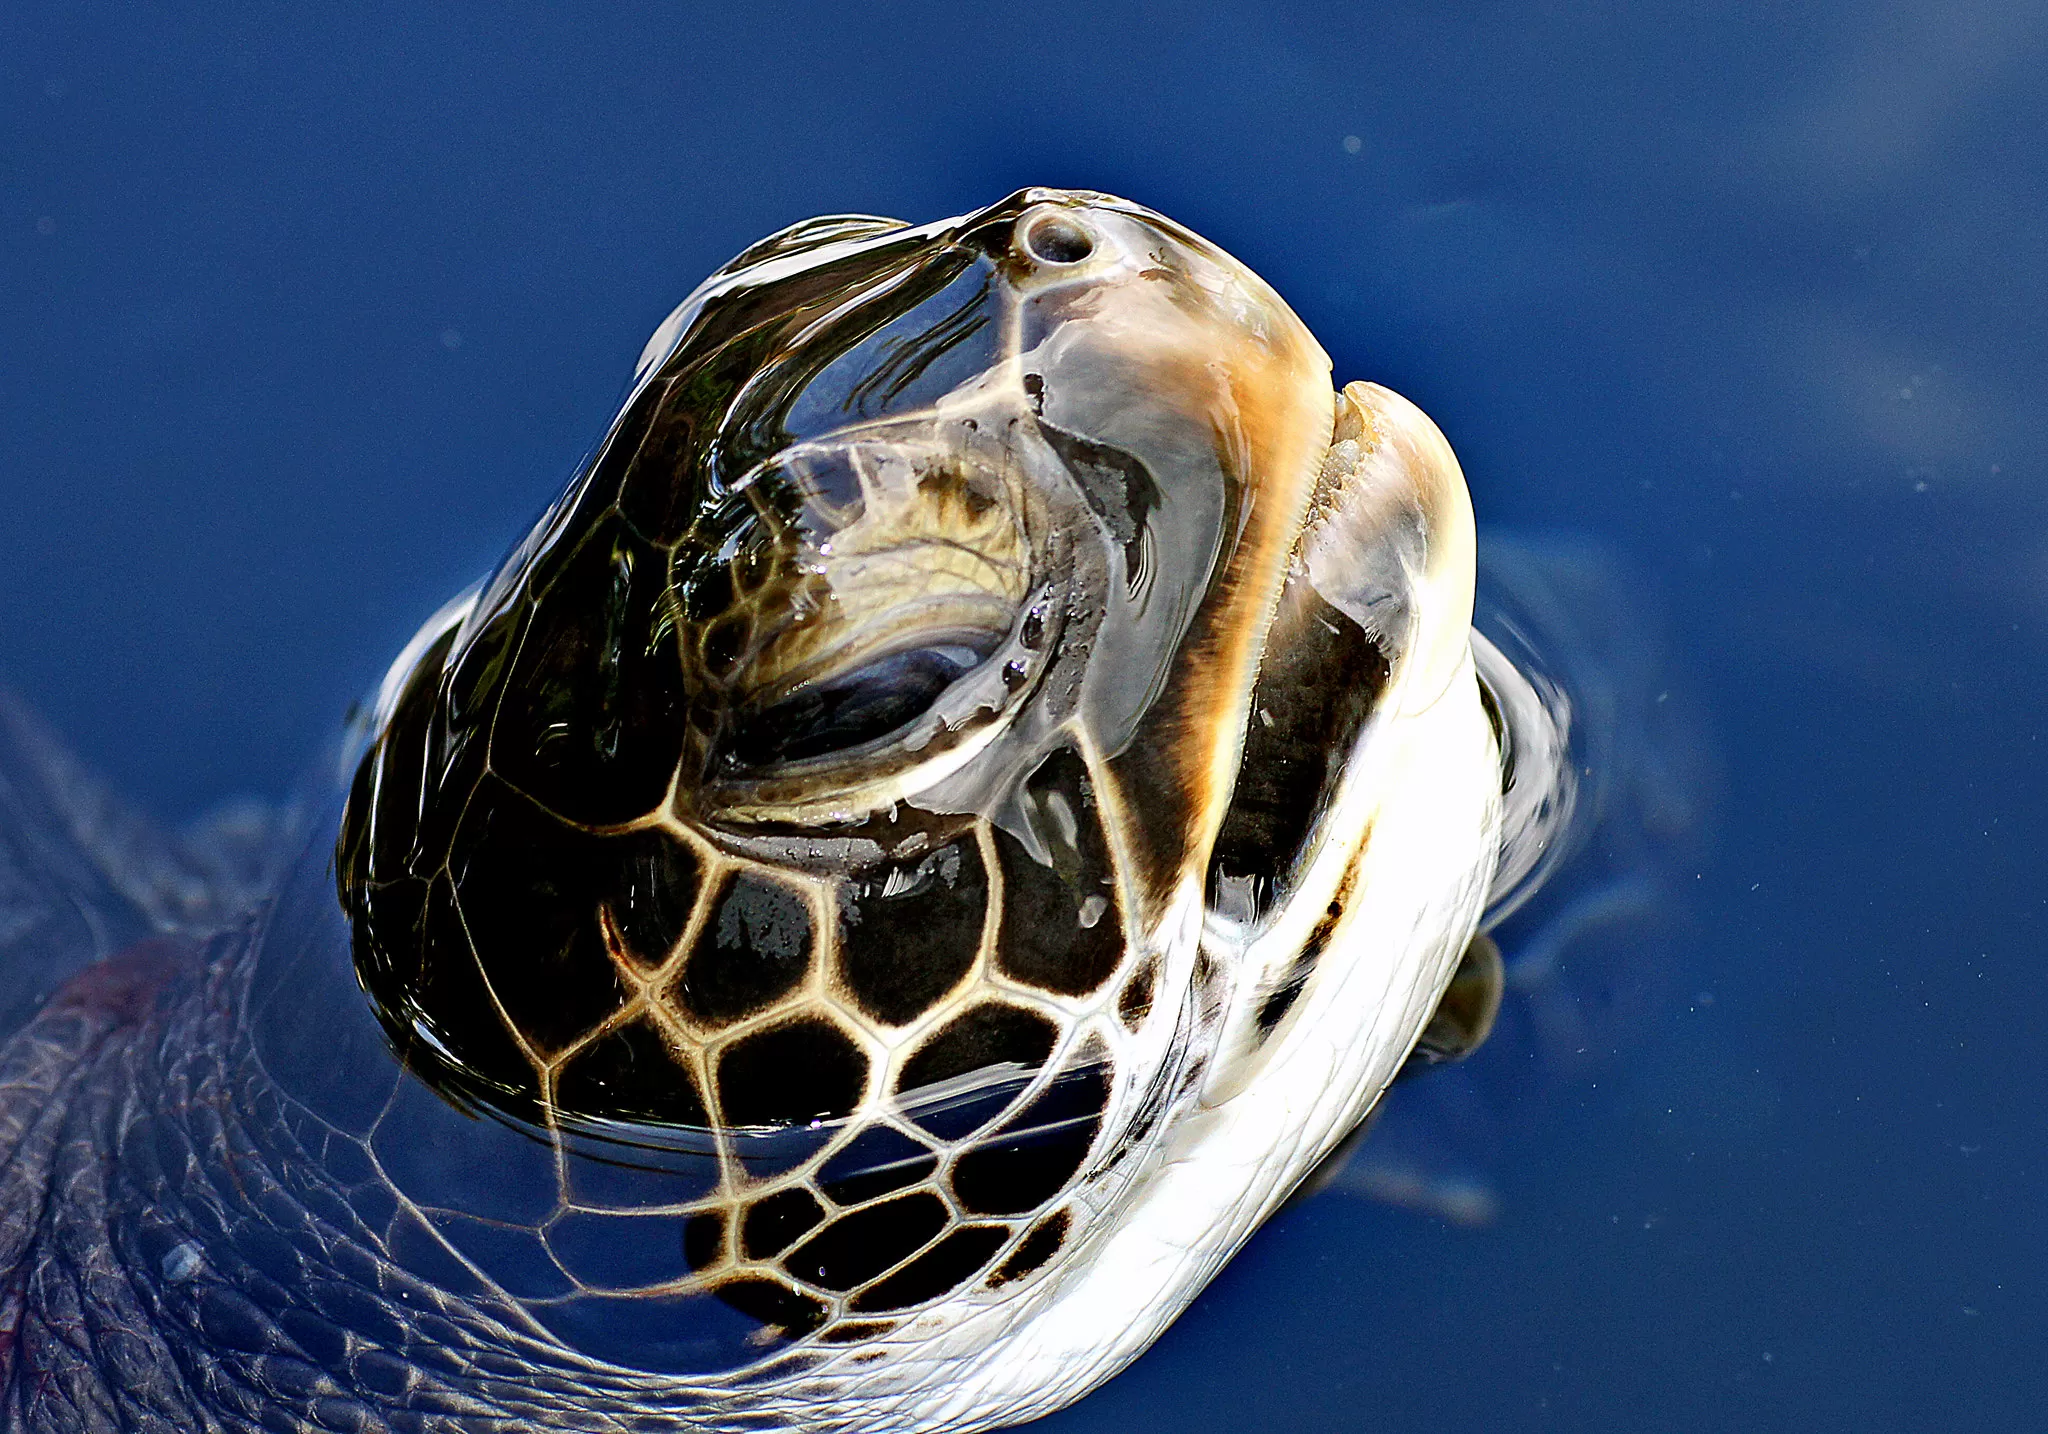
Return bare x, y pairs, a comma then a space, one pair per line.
943, 1268
629, 1074
1037, 1151
703, 1239
855, 1248
765, 1154
985, 1035
777, 1306
1008, 1041
1062, 930
446, 996
651, 461
773, 1224
529, 887
457, 764
909, 931
380, 834
649, 904
590, 723
547, 906
876, 1161
753, 950
387, 917
1034, 1249
475, 677
791, 1074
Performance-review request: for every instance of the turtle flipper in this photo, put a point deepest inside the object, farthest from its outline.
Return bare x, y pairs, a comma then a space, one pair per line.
84, 876
1465, 1015
1425, 1178
66, 900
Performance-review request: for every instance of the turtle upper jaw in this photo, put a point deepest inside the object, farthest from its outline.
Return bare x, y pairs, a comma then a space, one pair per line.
1400, 481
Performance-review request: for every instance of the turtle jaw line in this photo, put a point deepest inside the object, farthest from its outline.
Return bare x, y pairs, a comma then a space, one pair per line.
848, 803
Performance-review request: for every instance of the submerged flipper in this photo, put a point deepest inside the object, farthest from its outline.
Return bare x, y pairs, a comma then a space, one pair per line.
1464, 1017
83, 876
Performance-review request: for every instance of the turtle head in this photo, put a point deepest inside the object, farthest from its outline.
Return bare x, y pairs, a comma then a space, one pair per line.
918, 755
974, 482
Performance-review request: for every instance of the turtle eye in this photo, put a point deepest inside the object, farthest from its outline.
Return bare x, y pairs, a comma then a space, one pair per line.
857, 708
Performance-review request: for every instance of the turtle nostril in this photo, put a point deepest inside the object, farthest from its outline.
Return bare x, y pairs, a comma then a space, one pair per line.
1056, 239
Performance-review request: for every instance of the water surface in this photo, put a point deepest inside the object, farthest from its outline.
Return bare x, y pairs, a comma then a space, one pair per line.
302, 319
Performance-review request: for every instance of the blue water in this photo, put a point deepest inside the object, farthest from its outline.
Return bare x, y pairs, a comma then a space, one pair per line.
302, 319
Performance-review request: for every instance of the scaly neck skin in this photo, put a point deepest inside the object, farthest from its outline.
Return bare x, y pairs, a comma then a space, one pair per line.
72, 1307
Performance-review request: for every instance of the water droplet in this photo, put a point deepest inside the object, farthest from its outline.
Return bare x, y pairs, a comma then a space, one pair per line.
182, 1263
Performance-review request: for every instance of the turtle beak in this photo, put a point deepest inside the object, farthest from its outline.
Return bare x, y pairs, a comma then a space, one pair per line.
1397, 492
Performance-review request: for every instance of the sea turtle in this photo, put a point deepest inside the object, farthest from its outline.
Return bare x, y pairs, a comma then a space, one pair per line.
972, 793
